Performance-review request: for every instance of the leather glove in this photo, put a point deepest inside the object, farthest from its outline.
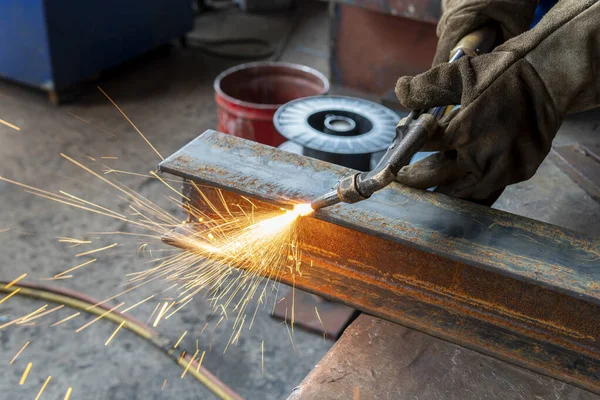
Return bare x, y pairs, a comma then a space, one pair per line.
513, 101
461, 17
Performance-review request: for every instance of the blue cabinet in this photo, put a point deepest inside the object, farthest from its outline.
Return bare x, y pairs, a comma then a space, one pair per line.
54, 44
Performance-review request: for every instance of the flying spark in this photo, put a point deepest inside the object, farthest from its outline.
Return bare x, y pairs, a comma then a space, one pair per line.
43, 388
73, 241
200, 362
160, 314
180, 339
25, 373
29, 319
130, 122
137, 304
3, 122
8, 296
190, 362
99, 317
19, 352
57, 278
65, 319
322, 326
96, 250
114, 333
11, 283
62, 274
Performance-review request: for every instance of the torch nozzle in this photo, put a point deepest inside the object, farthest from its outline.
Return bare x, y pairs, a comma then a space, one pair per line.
328, 199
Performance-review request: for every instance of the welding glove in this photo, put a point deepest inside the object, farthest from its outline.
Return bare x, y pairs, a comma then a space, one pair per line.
461, 17
513, 101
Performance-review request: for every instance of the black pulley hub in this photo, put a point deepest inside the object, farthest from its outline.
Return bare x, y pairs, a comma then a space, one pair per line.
341, 130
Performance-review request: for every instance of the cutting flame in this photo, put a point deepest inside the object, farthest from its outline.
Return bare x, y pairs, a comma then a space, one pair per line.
303, 210
260, 244
267, 229
245, 239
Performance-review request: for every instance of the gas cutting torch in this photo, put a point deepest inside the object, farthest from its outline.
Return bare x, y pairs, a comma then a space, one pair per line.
412, 133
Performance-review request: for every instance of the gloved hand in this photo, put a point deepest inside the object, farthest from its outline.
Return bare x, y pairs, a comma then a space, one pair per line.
513, 101
461, 17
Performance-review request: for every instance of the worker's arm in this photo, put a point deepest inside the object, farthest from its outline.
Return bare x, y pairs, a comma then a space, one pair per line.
461, 17
513, 101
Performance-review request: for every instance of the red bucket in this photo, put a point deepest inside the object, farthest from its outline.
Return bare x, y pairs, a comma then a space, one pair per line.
248, 95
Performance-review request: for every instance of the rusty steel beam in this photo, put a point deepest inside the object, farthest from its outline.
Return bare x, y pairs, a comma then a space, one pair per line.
514, 288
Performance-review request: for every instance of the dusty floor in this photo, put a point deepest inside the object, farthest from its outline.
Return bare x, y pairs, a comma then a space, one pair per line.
170, 98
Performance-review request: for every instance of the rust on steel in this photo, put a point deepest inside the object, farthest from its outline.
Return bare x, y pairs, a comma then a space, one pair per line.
511, 287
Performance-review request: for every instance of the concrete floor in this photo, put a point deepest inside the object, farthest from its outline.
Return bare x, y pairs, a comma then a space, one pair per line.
170, 98
550, 195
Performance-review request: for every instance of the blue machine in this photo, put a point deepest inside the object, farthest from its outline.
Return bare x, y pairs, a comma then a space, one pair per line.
53, 44
543, 7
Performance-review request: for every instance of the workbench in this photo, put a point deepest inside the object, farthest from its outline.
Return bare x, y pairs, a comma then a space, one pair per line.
377, 359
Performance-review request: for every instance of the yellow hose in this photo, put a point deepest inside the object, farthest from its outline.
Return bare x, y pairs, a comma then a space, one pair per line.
201, 374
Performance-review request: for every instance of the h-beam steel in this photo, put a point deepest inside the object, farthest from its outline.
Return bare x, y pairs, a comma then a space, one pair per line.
520, 290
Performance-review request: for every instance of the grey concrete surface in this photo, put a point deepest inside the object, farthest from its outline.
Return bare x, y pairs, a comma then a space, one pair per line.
170, 98
550, 195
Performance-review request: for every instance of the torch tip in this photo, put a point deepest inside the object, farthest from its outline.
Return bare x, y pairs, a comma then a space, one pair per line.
303, 209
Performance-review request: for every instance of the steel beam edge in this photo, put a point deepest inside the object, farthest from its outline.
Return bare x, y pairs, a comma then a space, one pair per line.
485, 250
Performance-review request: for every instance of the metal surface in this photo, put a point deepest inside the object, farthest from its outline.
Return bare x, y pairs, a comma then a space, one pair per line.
517, 289
249, 94
582, 164
380, 360
338, 129
370, 50
333, 317
421, 10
